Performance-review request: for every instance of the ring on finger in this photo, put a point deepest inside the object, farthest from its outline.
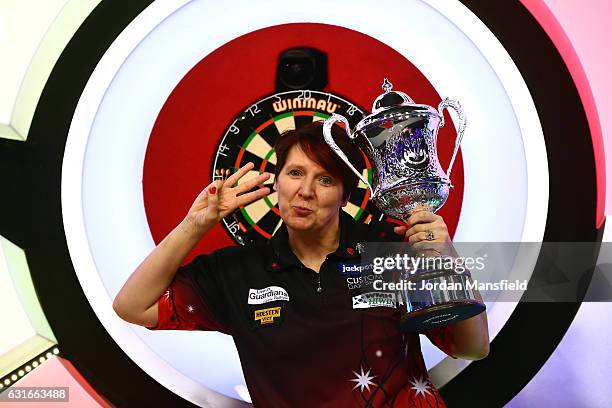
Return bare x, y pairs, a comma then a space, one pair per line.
429, 236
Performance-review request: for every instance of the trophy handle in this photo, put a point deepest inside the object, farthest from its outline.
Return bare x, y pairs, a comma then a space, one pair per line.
327, 125
449, 103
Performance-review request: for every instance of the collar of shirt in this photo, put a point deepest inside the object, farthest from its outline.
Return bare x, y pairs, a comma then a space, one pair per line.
282, 257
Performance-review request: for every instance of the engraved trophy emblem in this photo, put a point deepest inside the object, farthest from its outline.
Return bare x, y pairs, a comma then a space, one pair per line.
399, 138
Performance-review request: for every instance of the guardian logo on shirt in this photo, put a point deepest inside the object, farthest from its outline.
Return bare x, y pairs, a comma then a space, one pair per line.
268, 294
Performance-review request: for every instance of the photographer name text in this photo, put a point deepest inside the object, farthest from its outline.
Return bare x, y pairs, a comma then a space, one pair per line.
445, 285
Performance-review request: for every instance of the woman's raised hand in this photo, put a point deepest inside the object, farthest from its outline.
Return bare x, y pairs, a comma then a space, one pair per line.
221, 197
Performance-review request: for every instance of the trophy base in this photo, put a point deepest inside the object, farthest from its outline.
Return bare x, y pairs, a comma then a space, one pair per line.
440, 315
440, 297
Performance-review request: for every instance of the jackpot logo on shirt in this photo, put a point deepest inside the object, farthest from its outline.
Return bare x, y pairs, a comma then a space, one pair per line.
266, 316
353, 269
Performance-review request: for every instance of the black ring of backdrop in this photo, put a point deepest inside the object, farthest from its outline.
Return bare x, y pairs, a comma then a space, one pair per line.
33, 170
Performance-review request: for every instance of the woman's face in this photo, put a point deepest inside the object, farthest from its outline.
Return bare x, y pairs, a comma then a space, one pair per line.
308, 196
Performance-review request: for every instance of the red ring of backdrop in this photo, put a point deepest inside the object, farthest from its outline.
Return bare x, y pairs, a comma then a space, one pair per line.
181, 147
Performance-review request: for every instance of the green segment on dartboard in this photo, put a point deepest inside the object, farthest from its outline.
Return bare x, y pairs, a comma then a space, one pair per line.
268, 202
249, 139
282, 116
246, 216
358, 215
270, 153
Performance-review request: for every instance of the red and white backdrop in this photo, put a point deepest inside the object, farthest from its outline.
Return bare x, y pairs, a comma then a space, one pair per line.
143, 103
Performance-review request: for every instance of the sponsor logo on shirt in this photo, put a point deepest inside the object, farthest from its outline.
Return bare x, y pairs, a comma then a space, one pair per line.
374, 299
358, 281
352, 269
265, 295
266, 316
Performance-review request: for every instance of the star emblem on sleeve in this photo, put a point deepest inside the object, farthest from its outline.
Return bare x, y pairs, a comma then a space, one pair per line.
421, 386
363, 380
190, 308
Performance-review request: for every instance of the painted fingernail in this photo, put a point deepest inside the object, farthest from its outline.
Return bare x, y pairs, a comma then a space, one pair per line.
213, 190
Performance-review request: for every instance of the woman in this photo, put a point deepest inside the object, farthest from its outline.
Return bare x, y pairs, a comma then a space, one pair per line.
290, 304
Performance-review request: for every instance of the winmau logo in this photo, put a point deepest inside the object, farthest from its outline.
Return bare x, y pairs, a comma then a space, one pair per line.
265, 295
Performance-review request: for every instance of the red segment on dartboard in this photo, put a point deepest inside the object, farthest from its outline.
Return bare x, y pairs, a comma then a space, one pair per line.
183, 142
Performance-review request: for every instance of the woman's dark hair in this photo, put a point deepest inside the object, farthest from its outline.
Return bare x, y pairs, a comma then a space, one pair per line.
310, 139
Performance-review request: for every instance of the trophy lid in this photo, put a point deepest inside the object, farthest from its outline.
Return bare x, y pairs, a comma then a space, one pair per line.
390, 99
392, 106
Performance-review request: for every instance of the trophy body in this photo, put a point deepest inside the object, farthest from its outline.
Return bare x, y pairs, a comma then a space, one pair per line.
399, 138
408, 176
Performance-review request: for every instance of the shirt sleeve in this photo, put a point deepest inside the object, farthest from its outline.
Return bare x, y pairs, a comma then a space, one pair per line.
441, 338
185, 306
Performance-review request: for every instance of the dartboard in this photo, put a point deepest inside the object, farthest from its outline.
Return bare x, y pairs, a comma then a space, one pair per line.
251, 137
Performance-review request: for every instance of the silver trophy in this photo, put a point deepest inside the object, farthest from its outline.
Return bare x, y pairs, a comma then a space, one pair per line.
399, 138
